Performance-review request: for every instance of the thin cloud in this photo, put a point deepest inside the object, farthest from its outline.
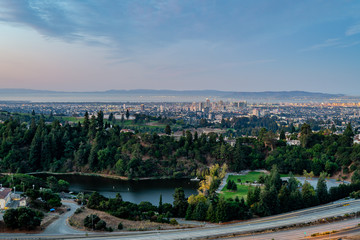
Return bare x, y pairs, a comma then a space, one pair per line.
328, 43
350, 44
119, 22
355, 29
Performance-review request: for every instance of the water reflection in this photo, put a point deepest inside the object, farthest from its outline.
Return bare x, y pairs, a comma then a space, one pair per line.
133, 191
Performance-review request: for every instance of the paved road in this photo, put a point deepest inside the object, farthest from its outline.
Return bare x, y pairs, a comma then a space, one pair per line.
299, 233
307, 215
60, 226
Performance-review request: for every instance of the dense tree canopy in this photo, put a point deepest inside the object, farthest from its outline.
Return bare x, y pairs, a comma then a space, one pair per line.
95, 146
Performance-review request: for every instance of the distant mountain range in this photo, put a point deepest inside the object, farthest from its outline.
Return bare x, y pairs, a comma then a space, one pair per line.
222, 94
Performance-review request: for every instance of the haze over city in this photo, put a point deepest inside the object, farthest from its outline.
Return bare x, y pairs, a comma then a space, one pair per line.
223, 45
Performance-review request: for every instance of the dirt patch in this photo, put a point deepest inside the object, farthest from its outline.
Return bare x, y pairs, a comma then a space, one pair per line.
48, 219
340, 174
77, 221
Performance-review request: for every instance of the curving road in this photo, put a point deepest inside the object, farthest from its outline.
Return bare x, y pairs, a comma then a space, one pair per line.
60, 226
296, 217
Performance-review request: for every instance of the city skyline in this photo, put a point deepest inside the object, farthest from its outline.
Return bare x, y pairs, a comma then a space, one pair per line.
181, 45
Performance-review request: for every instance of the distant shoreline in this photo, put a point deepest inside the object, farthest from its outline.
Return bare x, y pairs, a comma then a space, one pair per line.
102, 175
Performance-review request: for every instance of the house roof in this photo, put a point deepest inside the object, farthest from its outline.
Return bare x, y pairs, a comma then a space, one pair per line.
4, 192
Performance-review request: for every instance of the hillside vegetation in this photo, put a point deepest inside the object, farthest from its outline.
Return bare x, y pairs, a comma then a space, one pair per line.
95, 146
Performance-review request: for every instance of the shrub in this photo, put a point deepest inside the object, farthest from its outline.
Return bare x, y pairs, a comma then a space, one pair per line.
100, 225
120, 226
78, 210
353, 167
173, 222
91, 220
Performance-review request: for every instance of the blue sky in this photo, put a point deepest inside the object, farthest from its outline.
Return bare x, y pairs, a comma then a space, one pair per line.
233, 45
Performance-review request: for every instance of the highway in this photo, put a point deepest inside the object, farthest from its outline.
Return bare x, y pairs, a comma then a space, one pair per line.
306, 232
251, 226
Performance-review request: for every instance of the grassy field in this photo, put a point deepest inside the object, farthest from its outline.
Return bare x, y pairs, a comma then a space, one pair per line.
242, 190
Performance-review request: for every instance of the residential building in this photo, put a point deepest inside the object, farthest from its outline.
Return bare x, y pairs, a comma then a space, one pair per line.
5, 197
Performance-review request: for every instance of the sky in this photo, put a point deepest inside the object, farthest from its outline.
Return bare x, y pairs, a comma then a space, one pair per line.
230, 45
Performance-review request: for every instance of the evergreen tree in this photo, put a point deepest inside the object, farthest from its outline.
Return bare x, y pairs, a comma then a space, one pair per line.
295, 200
86, 124
35, 150
211, 213
160, 208
167, 129
273, 180
189, 212
308, 195
221, 210
321, 190
111, 117
346, 140
253, 195
292, 128
306, 134
180, 204
127, 114
200, 211
284, 198
100, 120
293, 184
282, 135
92, 127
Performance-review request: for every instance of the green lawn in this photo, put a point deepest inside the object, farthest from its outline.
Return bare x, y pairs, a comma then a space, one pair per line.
242, 190
251, 177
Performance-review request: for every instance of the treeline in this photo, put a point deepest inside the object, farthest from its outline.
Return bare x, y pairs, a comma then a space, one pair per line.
250, 125
276, 196
23, 182
202, 209
132, 211
92, 147
279, 196
97, 146
207, 205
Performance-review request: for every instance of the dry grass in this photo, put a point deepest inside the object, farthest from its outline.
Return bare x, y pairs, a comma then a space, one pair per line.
77, 221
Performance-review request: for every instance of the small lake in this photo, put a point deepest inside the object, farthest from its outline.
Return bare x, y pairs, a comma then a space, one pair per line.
132, 191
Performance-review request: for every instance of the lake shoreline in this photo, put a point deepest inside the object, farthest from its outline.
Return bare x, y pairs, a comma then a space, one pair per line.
109, 176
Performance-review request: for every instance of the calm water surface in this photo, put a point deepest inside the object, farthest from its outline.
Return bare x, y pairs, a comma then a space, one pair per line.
133, 191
